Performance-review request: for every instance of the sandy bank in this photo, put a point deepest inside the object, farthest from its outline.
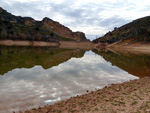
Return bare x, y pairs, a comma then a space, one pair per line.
85, 45
128, 97
27, 43
135, 47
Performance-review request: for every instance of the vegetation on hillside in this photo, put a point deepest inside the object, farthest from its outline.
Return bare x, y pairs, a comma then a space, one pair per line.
138, 30
25, 28
17, 31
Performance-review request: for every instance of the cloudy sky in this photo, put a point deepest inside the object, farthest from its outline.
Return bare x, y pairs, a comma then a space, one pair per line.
93, 17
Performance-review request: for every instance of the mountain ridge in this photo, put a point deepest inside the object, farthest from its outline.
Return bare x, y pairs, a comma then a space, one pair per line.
26, 28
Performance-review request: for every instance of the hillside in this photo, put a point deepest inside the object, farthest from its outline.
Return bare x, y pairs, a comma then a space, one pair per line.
26, 28
137, 30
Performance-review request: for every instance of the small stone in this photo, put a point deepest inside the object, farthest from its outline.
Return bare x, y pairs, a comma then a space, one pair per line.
117, 89
117, 100
107, 99
148, 110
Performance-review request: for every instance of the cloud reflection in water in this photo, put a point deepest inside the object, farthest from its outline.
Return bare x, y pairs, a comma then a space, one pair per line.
27, 88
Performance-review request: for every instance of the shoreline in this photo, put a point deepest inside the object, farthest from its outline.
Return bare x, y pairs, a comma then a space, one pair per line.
127, 97
27, 43
136, 47
85, 45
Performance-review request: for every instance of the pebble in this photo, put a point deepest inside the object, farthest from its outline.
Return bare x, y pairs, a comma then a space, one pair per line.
117, 89
148, 110
107, 99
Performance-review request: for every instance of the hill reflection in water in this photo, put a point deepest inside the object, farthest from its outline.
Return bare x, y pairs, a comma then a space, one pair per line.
134, 63
28, 57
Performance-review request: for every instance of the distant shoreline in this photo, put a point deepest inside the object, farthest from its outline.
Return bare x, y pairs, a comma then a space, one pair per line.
27, 43
135, 47
126, 46
87, 45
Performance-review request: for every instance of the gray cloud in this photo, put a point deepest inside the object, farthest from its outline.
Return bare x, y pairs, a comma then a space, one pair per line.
146, 8
24, 9
114, 21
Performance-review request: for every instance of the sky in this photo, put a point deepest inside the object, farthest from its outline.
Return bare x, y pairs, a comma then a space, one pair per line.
93, 17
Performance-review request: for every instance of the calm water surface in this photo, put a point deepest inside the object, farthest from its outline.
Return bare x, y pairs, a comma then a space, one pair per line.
32, 77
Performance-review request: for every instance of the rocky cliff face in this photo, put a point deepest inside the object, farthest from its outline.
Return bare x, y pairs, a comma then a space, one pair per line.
45, 30
61, 30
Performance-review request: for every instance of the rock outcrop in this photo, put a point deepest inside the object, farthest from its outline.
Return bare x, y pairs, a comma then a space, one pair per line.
26, 28
58, 28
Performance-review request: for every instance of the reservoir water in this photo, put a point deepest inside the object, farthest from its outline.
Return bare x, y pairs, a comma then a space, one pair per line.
33, 76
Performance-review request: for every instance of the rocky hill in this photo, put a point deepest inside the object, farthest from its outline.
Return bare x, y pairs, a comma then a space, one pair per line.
137, 30
26, 28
